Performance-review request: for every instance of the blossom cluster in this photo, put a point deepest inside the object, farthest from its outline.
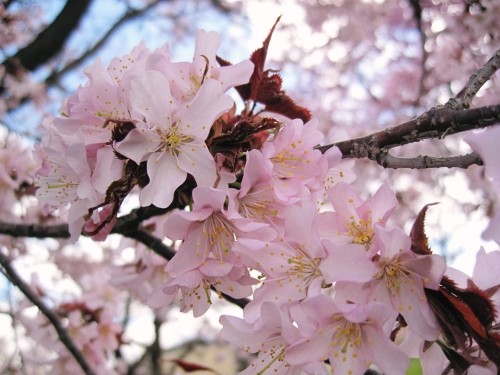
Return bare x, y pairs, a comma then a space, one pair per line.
90, 321
140, 119
267, 215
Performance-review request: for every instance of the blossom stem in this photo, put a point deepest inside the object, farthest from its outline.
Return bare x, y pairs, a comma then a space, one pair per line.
15, 279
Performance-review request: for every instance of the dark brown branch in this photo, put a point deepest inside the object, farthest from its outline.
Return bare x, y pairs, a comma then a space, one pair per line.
49, 314
129, 15
34, 230
151, 241
155, 348
438, 122
138, 234
241, 302
134, 219
423, 161
476, 81
417, 14
51, 40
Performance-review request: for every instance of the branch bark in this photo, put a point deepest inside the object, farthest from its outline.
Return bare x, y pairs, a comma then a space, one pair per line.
417, 15
51, 40
463, 99
424, 161
49, 314
130, 14
438, 122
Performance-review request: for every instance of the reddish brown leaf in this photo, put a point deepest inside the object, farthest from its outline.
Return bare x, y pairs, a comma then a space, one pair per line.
259, 59
480, 302
243, 136
269, 89
465, 311
419, 240
191, 367
265, 87
286, 106
465, 315
222, 62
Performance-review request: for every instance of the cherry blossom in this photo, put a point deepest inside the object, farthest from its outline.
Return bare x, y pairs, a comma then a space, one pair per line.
353, 219
351, 337
172, 139
248, 201
292, 155
270, 339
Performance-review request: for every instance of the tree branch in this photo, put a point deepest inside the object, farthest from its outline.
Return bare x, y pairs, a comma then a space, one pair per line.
438, 122
34, 230
155, 348
137, 233
151, 241
50, 41
423, 161
417, 14
463, 99
49, 314
130, 14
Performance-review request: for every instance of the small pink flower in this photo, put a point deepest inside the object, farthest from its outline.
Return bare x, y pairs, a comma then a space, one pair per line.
351, 337
256, 198
297, 166
171, 137
209, 230
354, 219
269, 337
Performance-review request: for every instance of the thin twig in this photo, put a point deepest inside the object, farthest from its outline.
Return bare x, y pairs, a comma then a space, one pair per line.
463, 99
130, 14
417, 14
151, 241
15, 279
155, 348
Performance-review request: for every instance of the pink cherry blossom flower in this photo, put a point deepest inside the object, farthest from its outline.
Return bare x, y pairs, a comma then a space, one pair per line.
290, 266
256, 199
67, 181
105, 96
353, 220
297, 166
485, 143
400, 281
171, 139
17, 168
269, 337
485, 274
401, 278
346, 263
351, 337
187, 78
338, 171
209, 230
195, 286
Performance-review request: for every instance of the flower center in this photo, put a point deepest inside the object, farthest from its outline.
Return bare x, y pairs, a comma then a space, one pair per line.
347, 335
288, 164
394, 274
259, 205
171, 140
220, 234
361, 231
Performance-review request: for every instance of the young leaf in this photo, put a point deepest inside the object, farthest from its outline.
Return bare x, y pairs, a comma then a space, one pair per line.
419, 240
192, 367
